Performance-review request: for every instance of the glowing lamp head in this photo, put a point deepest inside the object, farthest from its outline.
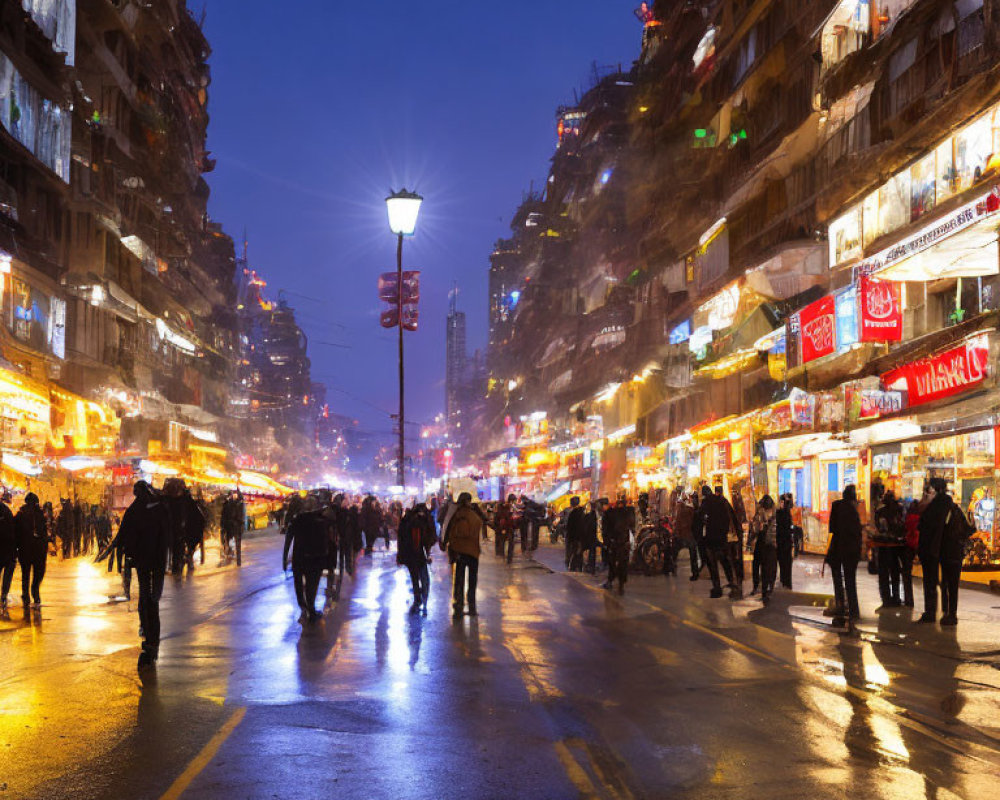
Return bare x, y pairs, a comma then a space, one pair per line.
403, 208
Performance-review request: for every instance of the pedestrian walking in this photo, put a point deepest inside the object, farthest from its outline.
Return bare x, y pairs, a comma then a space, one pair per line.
64, 528
618, 527
145, 534
683, 526
371, 523
717, 522
843, 555
461, 540
944, 530
785, 540
8, 549
504, 526
32, 549
589, 538
764, 535
575, 524
415, 537
307, 540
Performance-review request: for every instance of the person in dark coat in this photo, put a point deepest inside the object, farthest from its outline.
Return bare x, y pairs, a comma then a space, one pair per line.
575, 524
187, 524
683, 525
618, 526
371, 522
32, 549
504, 525
718, 521
764, 532
8, 548
64, 528
844, 553
889, 538
307, 540
145, 535
785, 540
940, 552
416, 536
589, 541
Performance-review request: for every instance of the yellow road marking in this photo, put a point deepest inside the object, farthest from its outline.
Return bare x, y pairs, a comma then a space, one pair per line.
624, 793
575, 772
204, 758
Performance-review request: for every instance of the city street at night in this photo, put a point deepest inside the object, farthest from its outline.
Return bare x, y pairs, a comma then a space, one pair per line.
438, 401
557, 690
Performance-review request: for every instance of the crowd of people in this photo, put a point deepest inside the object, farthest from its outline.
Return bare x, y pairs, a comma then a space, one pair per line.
162, 531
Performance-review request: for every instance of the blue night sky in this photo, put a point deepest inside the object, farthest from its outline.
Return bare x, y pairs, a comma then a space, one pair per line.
317, 113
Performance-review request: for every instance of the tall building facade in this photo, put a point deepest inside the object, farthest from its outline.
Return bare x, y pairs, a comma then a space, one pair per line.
456, 366
766, 259
118, 325
274, 387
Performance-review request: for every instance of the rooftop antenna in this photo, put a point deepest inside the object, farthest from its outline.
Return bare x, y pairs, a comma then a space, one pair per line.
245, 244
453, 299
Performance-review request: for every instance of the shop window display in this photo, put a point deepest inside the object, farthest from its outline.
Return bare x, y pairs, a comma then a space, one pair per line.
835, 475
966, 462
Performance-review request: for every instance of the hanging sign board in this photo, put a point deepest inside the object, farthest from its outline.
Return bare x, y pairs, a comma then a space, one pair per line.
881, 311
946, 374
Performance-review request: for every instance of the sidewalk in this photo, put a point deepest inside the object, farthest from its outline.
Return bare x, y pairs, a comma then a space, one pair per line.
976, 637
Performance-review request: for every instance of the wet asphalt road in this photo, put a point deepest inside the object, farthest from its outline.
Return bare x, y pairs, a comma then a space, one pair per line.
558, 690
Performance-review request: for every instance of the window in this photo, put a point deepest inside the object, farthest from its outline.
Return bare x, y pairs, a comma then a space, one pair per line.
887, 12
846, 32
945, 183
971, 31
905, 78
39, 124
57, 19
973, 147
746, 56
845, 237
922, 186
894, 203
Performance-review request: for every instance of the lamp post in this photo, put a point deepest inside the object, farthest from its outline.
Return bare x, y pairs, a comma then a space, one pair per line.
403, 207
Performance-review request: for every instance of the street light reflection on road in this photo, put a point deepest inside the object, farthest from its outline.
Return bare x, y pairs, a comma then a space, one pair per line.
90, 583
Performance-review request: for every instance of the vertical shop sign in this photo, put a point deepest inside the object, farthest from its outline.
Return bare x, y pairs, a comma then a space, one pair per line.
881, 311
817, 326
943, 375
847, 319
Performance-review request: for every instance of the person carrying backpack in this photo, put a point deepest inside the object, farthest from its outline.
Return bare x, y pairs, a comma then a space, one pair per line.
414, 540
944, 531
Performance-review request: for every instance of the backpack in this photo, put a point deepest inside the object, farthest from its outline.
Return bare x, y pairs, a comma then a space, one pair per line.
957, 527
429, 536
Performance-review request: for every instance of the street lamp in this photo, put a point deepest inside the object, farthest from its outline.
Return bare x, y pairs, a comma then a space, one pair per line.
403, 208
